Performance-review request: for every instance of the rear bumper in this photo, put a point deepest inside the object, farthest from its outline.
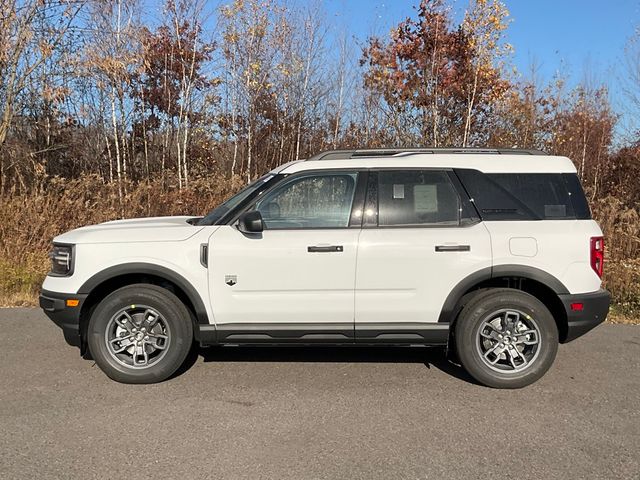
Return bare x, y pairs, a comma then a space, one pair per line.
595, 307
68, 318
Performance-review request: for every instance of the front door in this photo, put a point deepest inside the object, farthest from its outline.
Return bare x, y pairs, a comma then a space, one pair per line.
295, 280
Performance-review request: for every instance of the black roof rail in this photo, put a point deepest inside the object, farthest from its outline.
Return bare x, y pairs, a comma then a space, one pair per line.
387, 152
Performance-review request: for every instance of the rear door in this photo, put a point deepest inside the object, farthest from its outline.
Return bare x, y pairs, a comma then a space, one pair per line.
420, 238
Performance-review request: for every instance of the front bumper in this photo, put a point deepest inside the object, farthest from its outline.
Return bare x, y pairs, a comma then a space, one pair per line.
595, 307
55, 307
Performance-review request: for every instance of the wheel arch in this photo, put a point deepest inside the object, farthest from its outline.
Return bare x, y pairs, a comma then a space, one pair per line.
107, 281
542, 285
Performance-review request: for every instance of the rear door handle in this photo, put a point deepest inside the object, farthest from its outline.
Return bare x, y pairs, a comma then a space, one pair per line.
453, 248
325, 249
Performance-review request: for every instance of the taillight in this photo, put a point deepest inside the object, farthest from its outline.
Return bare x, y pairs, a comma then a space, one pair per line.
597, 254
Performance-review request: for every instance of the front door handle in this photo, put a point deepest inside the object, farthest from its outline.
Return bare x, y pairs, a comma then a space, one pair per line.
325, 248
453, 248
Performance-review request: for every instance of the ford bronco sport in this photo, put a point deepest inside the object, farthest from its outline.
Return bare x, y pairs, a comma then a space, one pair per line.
490, 253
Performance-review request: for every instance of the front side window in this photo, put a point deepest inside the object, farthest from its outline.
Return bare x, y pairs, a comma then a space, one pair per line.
319, 200
215, 215
409, 198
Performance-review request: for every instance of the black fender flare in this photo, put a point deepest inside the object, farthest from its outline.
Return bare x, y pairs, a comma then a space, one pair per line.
139, 268
521, 271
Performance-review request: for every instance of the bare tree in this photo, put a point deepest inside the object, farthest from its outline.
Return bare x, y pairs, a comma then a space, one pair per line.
30, 32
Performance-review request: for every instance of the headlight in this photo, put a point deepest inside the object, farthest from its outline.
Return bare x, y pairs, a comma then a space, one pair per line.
61, 260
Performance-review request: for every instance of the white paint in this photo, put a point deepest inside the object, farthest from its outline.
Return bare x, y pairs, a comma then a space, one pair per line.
483, 162
279, 281
523, 246
400, 276
563, 249
382, 275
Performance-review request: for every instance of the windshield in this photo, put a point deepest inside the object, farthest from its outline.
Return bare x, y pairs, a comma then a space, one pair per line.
217, 213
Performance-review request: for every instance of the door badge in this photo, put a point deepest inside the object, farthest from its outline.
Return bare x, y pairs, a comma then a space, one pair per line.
231, 280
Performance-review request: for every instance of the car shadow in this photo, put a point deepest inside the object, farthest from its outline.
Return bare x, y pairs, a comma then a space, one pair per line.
430, 357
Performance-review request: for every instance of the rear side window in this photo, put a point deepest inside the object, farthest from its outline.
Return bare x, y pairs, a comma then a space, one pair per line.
414, 198
525, 196
578, 199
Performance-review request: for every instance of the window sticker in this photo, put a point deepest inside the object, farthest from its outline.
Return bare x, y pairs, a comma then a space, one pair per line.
425, 198
551, 211
398, 191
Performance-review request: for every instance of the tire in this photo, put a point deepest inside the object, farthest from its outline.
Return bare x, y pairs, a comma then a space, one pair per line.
140, 334
506, 338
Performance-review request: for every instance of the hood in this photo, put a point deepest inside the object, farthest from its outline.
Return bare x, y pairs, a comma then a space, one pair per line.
151, 229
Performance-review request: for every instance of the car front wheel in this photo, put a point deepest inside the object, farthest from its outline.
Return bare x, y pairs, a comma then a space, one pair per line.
140, 334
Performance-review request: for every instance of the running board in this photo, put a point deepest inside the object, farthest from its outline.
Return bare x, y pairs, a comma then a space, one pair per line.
330, 333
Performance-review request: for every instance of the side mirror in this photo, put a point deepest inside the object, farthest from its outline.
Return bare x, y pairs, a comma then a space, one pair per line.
251, 222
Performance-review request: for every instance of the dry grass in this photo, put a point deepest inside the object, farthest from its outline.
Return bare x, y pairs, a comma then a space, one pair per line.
621, 226
28, 223
618, 318
18, 299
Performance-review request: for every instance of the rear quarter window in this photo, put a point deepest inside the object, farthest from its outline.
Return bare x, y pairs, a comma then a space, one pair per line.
525, 196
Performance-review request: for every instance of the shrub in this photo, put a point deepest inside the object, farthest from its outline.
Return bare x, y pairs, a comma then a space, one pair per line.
29, 222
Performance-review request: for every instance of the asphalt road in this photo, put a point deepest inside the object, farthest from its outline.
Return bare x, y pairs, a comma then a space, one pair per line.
263, 413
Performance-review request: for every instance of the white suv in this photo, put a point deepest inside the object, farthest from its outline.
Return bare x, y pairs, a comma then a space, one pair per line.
491, 253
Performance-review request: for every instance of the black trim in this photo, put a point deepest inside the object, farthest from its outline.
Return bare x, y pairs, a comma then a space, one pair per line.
388, 152
206, 335
232, 215
370, 220
67, 318
464, 193
402, 333
204, 255
357, 207
325, 333
531, 273
469, 214
593, 313
451, 306
453, 248
149, 269
325, 248
251, 333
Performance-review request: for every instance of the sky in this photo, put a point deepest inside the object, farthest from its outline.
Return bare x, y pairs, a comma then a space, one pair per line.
556, 33
567, 36
576, 38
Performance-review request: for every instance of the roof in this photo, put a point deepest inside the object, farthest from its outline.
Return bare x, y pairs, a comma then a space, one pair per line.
487, 161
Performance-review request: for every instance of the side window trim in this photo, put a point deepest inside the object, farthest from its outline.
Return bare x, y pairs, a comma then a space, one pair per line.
232, 215
358, 206
469, 214
370, 214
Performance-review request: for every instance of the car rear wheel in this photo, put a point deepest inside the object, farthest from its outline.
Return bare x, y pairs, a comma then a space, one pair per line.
506, 338
140, 334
